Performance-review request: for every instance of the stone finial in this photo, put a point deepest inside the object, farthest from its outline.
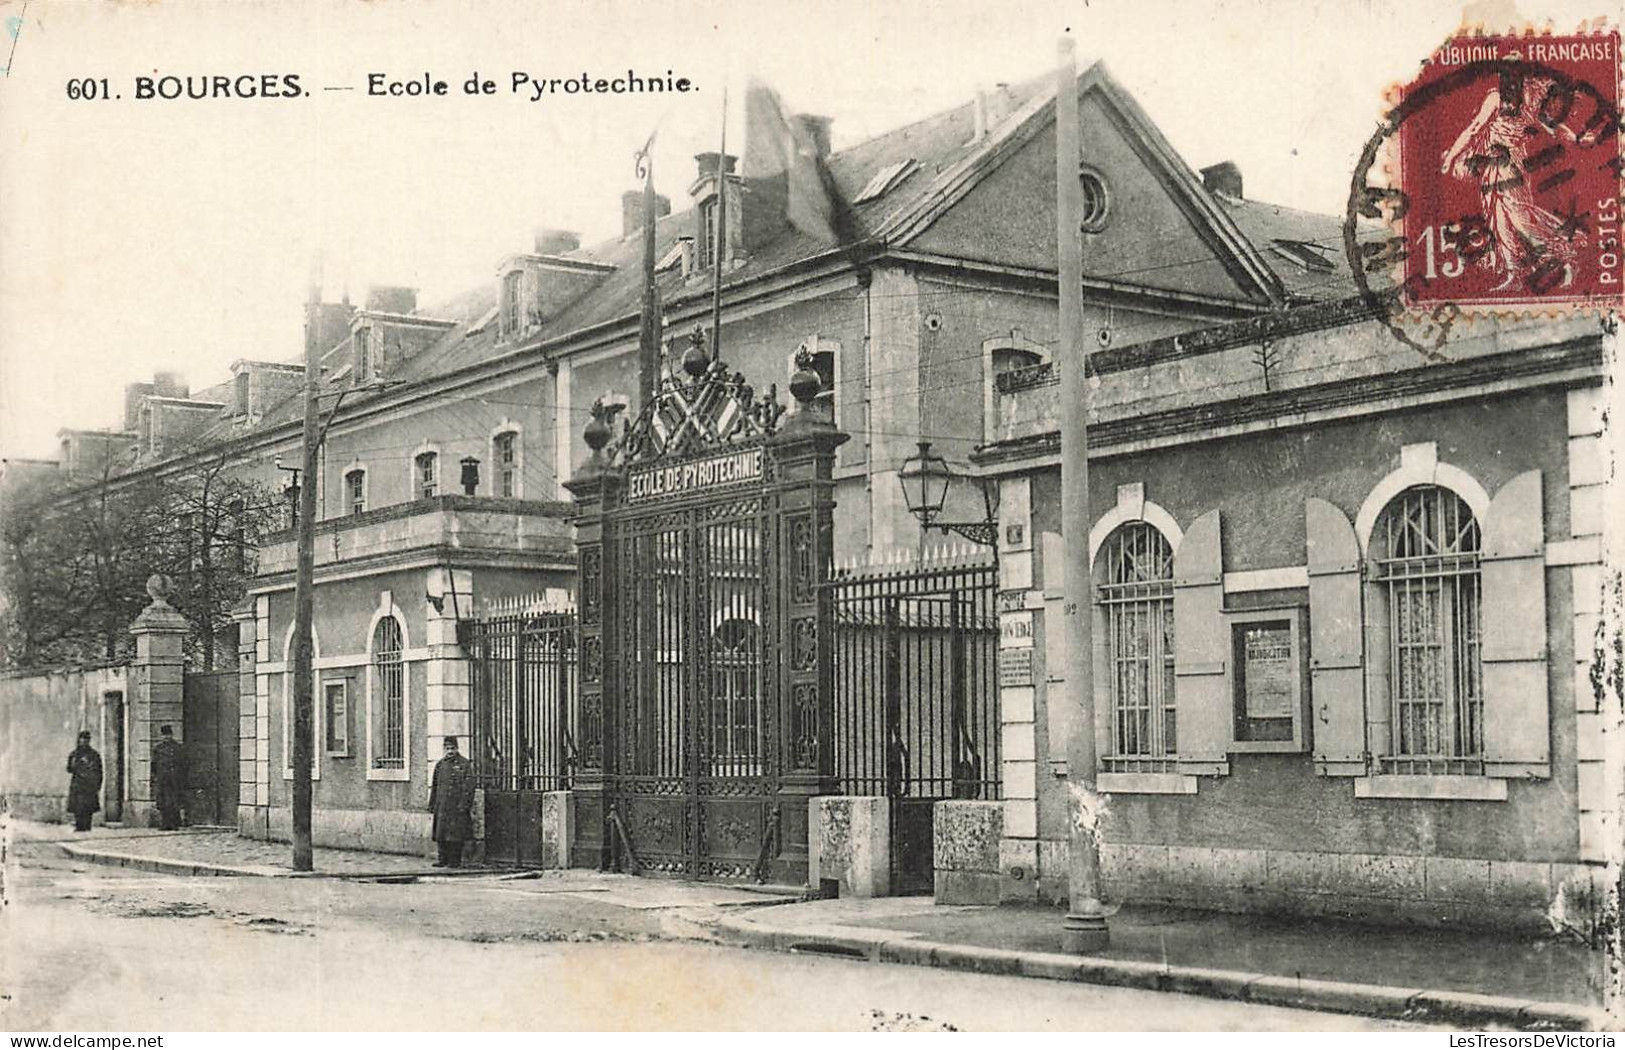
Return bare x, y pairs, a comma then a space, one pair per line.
159, 588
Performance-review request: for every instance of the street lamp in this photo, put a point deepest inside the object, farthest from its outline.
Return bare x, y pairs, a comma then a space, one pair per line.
927, 479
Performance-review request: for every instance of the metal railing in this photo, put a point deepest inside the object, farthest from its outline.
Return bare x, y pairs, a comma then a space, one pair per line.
523, 685
916, 701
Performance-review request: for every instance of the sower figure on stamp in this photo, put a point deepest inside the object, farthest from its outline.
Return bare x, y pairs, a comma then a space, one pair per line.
451, 800
85, 789
168, 778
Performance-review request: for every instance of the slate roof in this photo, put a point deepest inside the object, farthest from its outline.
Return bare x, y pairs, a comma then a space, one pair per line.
937, 143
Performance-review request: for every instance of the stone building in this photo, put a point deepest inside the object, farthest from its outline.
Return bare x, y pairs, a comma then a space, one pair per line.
1348, 657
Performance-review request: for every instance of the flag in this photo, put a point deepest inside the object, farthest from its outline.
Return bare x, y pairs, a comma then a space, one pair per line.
777, 146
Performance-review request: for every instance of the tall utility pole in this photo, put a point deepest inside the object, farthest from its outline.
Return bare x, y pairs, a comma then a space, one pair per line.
1084, 928
303, 587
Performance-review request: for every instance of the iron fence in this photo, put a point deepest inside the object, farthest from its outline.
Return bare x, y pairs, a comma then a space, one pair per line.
916, 710
523, 685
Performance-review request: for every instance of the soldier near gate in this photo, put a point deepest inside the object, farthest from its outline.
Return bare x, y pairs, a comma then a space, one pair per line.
168, 778
84, 790
451, 800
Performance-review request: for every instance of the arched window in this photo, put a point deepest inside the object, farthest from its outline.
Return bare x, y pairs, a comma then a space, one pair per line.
355, 491
388, 696
426, 474
1136, 595
1426, 549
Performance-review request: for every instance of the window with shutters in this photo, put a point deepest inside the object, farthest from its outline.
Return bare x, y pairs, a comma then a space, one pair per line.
1136, 597
388, 709
1427, 547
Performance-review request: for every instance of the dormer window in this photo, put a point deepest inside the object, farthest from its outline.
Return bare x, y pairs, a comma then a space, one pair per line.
512, 287
706, 249
886, 179
363, 354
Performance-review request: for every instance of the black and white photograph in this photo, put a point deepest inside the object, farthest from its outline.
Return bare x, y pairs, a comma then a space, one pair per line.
712, 516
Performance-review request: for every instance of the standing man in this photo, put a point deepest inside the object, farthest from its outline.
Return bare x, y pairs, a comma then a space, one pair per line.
168, 778
85, 789
451, 800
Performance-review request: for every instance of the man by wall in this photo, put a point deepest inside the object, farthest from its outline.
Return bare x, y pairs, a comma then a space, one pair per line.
168, 778
84, 789
451, 800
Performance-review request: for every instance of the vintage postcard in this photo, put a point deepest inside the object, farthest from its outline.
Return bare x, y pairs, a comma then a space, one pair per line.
918, 516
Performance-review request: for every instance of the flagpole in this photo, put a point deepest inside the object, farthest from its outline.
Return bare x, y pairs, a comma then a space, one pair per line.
649, 331
721, 242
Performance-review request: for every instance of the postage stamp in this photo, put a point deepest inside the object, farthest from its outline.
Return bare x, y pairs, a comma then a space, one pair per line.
1502, 186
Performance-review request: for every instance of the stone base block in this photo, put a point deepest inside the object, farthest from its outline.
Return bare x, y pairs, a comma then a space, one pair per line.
849, 841
381, 831
967, 887
558, 827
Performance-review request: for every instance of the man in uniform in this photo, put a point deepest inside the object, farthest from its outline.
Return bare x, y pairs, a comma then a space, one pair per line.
84, 790
451, 800
168, 778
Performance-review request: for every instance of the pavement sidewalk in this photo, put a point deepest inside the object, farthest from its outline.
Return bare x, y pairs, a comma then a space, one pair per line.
211, 851
1467, 978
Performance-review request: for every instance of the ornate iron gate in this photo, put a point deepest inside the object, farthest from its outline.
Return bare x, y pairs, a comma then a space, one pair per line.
704, 534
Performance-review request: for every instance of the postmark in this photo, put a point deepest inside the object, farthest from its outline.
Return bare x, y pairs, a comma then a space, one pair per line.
1496, 181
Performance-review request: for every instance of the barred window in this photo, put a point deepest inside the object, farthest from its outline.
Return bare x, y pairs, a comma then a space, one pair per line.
388, 696
1427, 564
1137, 599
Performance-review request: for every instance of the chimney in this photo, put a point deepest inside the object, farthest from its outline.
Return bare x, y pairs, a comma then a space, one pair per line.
169, 384
134, 394
550, 241
817, 129
1223, 177
632, 210
978, 114
392, 299
706, 165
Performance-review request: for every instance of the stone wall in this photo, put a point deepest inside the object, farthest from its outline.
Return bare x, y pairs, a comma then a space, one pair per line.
41, 715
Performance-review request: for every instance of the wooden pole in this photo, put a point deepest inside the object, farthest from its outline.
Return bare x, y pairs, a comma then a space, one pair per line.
303, 691
1084, 928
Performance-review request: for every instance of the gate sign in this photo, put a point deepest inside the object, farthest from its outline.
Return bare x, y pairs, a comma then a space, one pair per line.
678, 478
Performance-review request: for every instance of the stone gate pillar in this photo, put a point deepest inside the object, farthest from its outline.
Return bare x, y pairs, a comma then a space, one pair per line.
253, 818
803, 453
592, 486
157, 679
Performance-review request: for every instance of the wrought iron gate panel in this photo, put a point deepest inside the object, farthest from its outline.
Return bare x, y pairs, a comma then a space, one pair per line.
693, 775
699, 634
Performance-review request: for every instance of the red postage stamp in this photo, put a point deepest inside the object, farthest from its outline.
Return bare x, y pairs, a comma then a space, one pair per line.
1509, 173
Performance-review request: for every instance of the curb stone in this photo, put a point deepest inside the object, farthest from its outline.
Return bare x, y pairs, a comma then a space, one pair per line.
164, 866
1466, 1009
